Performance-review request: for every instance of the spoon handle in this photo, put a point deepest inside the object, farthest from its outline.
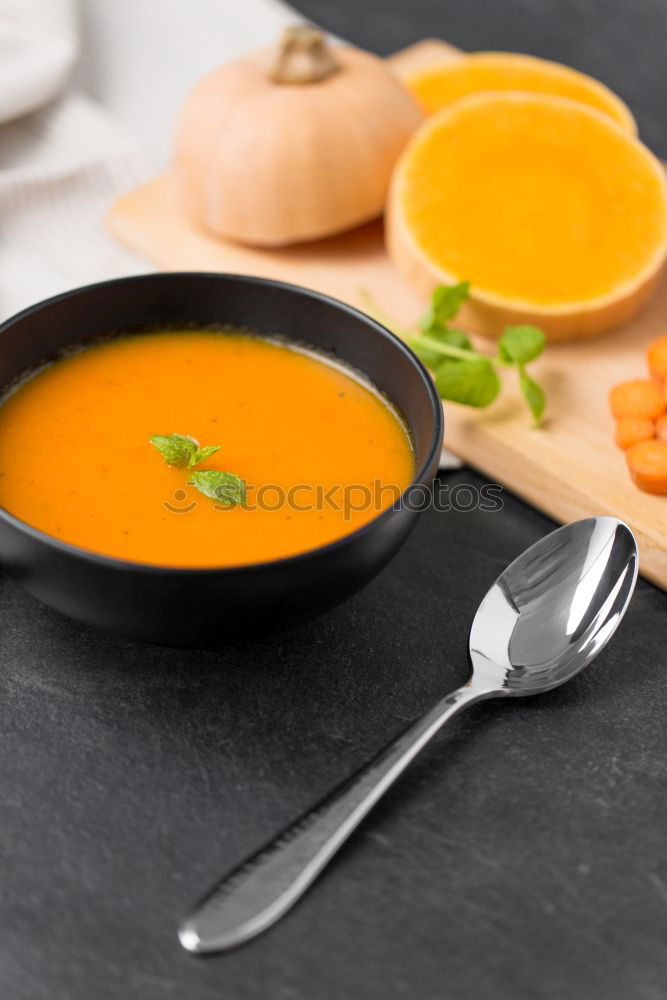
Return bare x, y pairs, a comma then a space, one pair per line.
259, 891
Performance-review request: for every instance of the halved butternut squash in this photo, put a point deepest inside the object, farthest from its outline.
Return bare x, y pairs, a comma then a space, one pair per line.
555, 214
439, 85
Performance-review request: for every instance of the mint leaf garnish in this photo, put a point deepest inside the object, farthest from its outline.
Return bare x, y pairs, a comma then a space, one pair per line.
176, 449
223, 487
474, 383
447, 335
445, 303
202, 454
181, 449
521, 344
462, 373
533, 394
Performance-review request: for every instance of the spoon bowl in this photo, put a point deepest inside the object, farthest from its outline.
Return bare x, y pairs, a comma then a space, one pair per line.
554, 608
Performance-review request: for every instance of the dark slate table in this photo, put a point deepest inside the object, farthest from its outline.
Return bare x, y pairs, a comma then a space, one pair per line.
524, 858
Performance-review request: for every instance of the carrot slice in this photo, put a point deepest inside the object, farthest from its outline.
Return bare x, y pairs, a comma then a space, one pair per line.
639, 398
647, 462
656, 355
630, 430
661, 428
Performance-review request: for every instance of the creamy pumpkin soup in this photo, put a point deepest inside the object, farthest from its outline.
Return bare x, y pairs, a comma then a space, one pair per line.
202, 448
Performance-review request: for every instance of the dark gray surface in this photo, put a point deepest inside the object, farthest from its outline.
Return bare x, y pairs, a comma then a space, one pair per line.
523, 859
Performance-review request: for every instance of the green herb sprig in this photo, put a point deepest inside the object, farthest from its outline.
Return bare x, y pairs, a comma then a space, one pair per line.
181, 449
461, 372
224, 487
184, 451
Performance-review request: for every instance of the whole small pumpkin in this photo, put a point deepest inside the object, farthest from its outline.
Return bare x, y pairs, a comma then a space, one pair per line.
293, 143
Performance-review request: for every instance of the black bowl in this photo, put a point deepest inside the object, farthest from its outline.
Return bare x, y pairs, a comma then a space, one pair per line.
197, 606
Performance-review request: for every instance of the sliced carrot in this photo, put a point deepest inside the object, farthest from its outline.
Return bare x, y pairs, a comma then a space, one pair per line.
647, 462
656, 355
639, 398
630, 430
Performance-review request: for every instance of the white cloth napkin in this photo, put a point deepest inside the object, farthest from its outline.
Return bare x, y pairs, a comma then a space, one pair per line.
68, 149
38, 45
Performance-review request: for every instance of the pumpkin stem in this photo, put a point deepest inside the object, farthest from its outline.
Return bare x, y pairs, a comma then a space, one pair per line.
303, 56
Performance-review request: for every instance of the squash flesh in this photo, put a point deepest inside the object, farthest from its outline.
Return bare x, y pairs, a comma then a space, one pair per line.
533, 199
436, 87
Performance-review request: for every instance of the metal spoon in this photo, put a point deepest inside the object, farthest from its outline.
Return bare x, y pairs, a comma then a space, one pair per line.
543, 620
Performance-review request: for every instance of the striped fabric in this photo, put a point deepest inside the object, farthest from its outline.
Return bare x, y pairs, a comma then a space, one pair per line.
62, 165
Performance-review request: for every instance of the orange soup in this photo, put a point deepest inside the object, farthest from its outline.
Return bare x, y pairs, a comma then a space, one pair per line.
319, 450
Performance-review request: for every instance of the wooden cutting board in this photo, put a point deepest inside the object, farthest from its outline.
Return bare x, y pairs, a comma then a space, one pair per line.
570, 468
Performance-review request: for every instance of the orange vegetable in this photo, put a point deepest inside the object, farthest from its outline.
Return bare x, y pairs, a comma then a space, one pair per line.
656, 355
294, 144
661, 427
647, 462
480, 185
438, 85
630, 430
638, 398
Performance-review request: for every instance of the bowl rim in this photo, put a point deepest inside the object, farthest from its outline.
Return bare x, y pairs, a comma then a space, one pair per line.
124, 565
